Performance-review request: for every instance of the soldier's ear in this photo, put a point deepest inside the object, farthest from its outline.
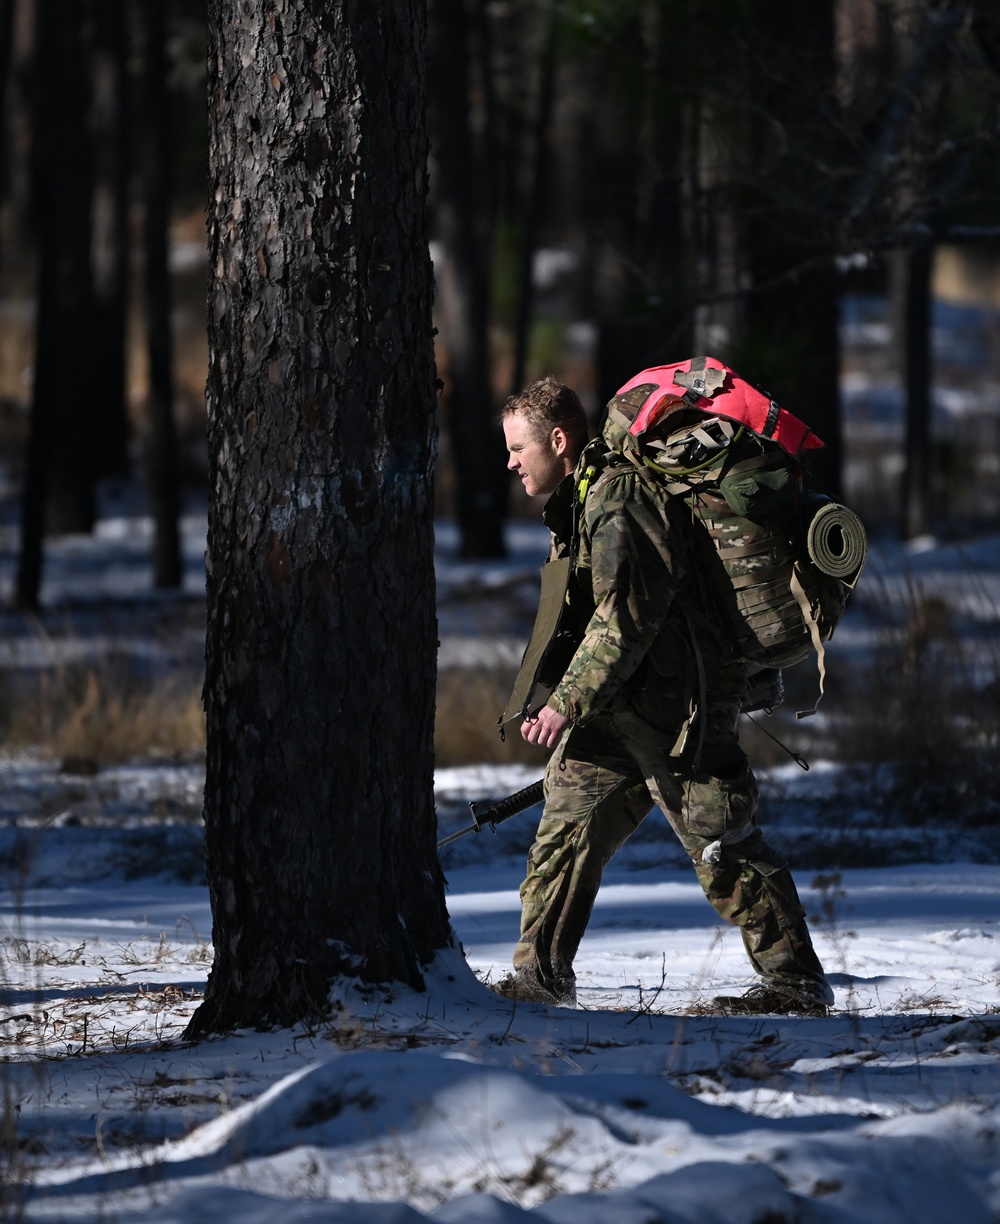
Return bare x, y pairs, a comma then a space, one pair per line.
559, 441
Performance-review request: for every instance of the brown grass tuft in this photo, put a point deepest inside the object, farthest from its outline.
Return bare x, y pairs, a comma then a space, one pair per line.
923, 710
469, 701
89, 717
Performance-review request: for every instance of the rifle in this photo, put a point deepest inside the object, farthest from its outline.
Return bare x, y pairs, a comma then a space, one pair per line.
497, 813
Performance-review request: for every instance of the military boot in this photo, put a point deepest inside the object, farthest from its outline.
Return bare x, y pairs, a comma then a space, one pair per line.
777, 997
524, 986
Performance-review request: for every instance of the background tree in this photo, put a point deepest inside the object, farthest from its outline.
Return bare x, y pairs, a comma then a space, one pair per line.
59, 485
161, 445
719, 193
630, 177
789, 331
107, 45
464, 230
320, 656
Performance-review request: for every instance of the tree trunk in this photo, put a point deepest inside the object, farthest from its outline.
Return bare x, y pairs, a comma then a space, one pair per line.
161, 445
65, 346
534, 203
791, 332
58, 493
478, 457
109, 133
19, 117
639, 268
319, 686
6, 59
919, 39
912, 326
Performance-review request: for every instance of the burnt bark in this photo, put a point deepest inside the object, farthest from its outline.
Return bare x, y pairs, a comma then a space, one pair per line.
534, 205
320, 656
638, 265
59, 485
65, 349
912, 291
466, 237
109, 134
161, 445
791, 332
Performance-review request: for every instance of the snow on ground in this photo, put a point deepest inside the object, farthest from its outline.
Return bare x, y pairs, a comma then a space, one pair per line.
457, 1106
453, 1105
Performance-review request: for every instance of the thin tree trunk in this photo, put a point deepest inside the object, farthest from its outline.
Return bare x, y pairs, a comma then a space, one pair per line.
58, 493
66, 346
478, 459
6, 59
320, 658
109, 124
913, 275
534, 204
161, 446
20, 127
791, 330
649, 320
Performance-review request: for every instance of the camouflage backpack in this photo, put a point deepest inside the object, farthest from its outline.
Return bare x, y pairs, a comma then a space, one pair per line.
773, 560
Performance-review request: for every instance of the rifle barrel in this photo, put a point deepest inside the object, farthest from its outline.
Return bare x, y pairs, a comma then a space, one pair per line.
498, 812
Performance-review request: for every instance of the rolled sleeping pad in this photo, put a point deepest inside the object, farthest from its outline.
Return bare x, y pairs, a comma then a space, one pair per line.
838, 543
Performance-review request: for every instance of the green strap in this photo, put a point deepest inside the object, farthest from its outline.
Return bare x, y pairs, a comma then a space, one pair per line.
555, 582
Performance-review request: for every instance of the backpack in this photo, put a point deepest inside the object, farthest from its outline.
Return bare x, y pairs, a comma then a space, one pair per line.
773, 560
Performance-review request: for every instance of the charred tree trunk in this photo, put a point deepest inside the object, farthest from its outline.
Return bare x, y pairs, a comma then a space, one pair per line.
477, 450
534, 204
161, 445
6, 60
319, 686
638, 265
67, 345
911, 296
109, 129
20, 133
59, 485
922, 49
791, 333
793, 338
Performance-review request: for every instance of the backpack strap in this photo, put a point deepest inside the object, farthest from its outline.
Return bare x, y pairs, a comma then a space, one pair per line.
795, 586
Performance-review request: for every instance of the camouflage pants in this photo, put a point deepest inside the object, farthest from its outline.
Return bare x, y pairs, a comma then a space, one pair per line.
600, 783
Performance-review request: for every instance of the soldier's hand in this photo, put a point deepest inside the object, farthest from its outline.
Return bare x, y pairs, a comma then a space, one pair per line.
545, 727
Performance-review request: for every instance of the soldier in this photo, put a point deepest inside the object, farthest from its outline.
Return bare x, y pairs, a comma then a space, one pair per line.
643, 708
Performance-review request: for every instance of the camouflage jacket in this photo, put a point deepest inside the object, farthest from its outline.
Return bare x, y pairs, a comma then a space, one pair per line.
636, 645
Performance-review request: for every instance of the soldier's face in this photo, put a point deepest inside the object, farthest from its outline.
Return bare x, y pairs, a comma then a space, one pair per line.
541, 461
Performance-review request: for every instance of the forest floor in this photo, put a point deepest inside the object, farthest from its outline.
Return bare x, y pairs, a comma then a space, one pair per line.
452, 1104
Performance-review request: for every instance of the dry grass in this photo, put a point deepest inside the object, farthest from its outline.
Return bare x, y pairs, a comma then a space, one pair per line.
923, 710
919, 710
103, 714
469, 701
89, 717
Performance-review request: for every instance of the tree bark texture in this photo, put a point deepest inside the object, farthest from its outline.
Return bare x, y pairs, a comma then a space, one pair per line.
320, 656
59, 484
463, 281
534, 203
161, 446
109, 119
637, 209
791, 328
912, 271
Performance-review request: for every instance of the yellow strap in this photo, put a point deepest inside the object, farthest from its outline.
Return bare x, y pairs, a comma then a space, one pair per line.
585, 482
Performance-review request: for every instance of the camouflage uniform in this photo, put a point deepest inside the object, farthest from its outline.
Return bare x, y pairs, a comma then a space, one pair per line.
654, 697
